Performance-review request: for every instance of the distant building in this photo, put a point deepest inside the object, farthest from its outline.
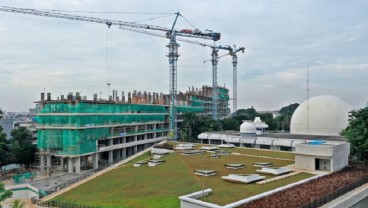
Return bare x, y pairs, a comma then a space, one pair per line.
8, 126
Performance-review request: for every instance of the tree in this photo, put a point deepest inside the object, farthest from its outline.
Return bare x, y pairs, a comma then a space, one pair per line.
189, 120
229, 124
247, 114
6, 156
269, 120
4, 194
357, 133
283, 120
17, 204
22, 146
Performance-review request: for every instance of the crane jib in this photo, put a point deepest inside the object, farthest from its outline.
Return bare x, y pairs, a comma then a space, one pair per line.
210, 35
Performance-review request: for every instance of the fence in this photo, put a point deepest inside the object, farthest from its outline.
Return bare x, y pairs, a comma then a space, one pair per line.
339, 192
43, 193
58, 204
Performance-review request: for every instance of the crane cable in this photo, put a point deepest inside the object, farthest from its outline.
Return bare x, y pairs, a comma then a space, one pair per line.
102, 12
108, 59
154, 18
186, 20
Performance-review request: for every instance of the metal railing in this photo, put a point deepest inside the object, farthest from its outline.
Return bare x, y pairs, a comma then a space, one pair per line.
43, 193
58, 204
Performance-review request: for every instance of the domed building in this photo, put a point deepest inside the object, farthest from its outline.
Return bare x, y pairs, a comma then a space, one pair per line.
260, 125
321, 115
248, 128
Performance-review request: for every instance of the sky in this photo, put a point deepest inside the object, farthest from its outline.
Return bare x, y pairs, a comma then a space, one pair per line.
282, 40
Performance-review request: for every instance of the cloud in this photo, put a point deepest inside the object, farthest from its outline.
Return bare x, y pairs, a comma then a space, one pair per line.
282, 39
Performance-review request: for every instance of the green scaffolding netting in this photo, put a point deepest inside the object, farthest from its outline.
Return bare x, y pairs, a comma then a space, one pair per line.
101, 108
223, 94
95, 120
71, 142
73, 129
184, 109
20, 177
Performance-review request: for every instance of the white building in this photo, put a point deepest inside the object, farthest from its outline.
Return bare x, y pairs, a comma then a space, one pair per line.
329, 156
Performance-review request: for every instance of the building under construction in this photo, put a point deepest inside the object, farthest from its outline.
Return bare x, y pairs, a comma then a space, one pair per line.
75, 133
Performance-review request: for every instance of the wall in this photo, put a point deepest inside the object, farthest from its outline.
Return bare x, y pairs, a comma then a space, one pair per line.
23, 191
305, 162
322, 150
341, 156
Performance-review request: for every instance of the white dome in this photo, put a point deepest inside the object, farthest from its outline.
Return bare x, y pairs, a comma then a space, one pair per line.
259, 124
328, 115
248, 127
257, 120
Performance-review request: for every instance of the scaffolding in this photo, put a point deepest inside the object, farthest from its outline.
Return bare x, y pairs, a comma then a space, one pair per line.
74, 128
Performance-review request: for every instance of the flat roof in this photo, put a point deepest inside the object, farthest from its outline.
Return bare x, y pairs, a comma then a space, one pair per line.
285, 135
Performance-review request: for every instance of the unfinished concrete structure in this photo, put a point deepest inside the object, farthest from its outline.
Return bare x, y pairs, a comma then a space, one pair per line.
75, 133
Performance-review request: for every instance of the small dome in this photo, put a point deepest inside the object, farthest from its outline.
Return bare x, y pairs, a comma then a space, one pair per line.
259, 124
248, 127
321, 115
257, 120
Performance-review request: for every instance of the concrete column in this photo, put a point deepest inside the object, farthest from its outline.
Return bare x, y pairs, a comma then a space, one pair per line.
95, 160
118, 154
111, 157
70, 165
154, 127
62, 163
42, 163
48, 164
84, 160
77, 164
48, 161
124, 153
111, 142
135, 149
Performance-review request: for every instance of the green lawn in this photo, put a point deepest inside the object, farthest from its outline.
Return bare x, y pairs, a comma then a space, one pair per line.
160, 186
265, 153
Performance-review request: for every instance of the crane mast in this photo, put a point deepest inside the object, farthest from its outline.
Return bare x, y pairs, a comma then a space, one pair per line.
170, 34
232, 53
173, 58
235, 76
173, 82
214, 62
215, 92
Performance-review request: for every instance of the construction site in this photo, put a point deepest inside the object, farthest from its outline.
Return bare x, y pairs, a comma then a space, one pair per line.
76, 134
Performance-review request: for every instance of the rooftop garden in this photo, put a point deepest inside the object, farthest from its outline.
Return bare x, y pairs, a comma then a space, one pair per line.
161, 186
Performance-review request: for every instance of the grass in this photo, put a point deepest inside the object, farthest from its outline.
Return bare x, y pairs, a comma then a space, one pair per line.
160, 186
265, 153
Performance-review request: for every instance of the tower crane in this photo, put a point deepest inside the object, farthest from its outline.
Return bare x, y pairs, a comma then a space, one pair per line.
171, 34
214, 61
232, 53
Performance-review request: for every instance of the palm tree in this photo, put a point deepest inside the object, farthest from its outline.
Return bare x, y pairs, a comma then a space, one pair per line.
17, 204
